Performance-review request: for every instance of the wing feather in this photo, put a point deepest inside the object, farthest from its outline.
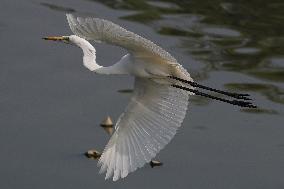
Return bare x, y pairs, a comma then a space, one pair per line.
150, 121
138, 160
102, 30
105, 31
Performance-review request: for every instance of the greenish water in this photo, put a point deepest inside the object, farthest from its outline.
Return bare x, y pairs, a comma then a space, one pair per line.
246, 37
51, 106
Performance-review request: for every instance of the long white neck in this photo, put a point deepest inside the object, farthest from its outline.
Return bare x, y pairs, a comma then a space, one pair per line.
89, 58
89, 52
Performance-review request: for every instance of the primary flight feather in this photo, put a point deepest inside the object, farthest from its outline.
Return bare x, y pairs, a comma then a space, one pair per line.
159, 102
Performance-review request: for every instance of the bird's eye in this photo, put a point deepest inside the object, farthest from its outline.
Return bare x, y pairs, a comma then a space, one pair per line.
66, 39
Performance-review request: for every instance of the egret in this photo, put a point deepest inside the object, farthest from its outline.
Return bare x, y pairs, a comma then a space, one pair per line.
159, 101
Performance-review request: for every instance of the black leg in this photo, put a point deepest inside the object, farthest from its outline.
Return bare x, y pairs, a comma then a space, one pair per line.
194, 84
233, 102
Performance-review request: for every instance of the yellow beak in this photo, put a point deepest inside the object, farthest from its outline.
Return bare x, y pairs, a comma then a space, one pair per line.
54, 38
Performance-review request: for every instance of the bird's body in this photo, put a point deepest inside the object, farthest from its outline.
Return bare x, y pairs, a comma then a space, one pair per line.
153, 64
157, 106
153, 115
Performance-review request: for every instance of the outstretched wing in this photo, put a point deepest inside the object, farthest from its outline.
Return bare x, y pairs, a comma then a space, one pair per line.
108, 32
150, 121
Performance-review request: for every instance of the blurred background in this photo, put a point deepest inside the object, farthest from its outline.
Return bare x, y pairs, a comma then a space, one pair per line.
51, 106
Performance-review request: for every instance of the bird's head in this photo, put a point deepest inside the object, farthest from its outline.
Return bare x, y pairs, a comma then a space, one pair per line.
71, 39
89, 51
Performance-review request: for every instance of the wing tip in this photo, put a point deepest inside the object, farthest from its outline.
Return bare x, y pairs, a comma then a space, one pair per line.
71, 21
69, 16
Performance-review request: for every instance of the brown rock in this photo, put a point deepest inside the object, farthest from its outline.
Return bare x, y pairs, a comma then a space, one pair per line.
107, 122
154, 163
93, 154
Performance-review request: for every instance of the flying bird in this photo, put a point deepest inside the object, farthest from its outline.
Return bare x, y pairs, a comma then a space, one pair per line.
160, 99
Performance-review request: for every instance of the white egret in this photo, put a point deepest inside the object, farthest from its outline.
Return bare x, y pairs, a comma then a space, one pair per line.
159, 102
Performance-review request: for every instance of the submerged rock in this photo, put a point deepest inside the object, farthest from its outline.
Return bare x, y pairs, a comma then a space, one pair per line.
109, 130
107, 122
154, 163
93, 154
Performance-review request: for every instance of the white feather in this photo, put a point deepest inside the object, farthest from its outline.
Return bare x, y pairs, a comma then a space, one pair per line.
103, 30
148, 124
155, 111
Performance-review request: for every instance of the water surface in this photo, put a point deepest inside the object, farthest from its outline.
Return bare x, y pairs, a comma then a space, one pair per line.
51, 106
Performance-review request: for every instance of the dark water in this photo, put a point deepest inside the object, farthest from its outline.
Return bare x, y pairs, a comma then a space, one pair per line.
51, 106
